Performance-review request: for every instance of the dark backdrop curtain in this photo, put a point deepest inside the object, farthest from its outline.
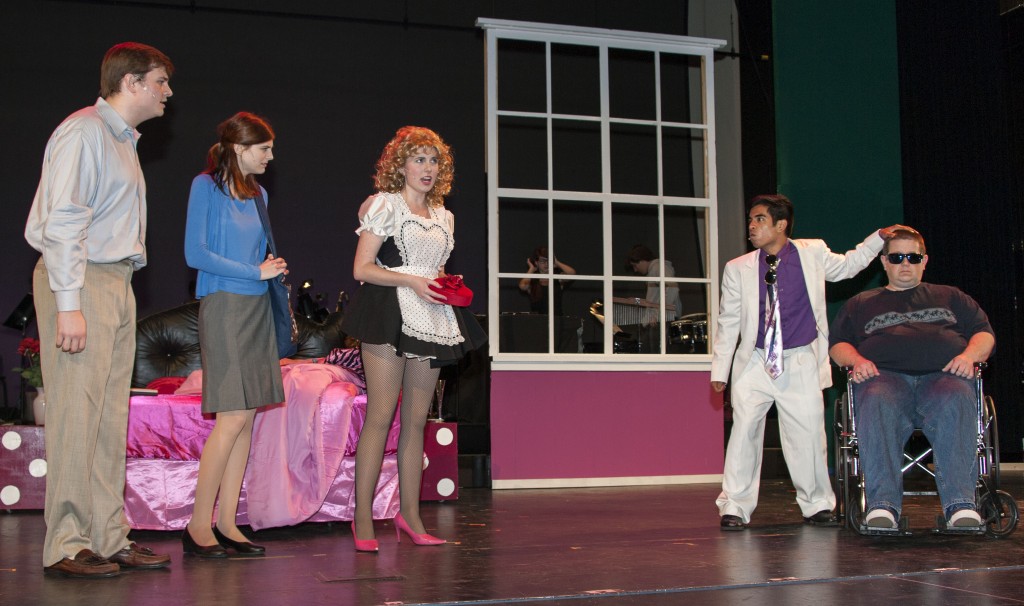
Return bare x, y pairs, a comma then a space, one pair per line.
961, 167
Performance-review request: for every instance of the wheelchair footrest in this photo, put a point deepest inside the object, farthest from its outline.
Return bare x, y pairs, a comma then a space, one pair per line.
902, 528
941, 527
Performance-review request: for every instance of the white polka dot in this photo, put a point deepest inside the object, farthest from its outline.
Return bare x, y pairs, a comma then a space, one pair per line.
11, 440
445, 436
445, 487
426, 461
9, 495
37, 468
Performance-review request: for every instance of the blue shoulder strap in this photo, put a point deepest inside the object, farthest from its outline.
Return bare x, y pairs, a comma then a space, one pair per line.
261, 208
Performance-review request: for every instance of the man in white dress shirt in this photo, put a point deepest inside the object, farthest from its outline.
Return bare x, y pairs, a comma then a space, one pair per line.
88, 220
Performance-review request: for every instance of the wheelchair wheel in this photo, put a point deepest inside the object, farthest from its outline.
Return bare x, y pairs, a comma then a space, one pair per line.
839, 458
1000, 513
856, 503
991, 441
850, 497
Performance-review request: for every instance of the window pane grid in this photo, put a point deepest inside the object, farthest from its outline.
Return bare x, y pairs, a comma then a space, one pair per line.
638, 185
610, 120
543, 194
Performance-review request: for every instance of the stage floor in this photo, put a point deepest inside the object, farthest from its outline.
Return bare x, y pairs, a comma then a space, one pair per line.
648, 546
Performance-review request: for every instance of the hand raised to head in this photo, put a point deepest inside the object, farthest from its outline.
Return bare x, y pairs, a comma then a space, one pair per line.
887, 233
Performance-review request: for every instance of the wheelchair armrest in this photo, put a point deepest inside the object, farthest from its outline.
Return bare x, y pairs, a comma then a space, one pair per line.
978, 366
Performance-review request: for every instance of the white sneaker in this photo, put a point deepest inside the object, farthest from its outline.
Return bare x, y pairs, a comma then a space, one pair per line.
880, 518
965, 518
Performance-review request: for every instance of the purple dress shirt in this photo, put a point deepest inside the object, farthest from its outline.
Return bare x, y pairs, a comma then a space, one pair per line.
795, 313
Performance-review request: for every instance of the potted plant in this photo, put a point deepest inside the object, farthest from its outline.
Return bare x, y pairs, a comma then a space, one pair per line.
32, 373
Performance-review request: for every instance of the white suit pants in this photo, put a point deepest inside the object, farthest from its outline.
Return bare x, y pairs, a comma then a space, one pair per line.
797, 396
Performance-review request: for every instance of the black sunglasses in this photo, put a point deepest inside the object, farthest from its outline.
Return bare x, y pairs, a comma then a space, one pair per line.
773, 264
897, 258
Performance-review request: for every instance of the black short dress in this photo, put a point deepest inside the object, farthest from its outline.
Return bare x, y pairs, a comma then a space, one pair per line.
396, 315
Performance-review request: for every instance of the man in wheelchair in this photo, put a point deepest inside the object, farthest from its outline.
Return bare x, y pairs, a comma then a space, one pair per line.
912, 347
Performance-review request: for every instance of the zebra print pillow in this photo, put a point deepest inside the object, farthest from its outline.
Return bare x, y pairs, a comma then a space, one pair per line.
347, 357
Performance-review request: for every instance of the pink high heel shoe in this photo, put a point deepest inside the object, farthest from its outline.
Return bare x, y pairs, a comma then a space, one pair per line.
367, 545
419, 539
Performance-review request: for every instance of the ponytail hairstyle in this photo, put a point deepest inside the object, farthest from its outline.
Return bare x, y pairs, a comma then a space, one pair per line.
221, 161
404, 144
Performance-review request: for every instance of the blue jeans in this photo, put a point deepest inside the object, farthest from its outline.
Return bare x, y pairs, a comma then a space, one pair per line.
944, 406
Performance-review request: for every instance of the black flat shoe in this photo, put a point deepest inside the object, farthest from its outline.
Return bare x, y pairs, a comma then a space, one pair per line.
242, 548
190, 547
732, 523
822, 518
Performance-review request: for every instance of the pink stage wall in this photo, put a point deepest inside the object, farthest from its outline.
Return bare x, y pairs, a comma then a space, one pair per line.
572, 425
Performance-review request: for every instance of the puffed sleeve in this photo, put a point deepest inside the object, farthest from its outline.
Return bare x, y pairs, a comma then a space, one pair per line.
449, 220
377, 214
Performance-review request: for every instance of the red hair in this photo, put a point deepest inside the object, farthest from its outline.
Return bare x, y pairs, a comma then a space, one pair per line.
404, 144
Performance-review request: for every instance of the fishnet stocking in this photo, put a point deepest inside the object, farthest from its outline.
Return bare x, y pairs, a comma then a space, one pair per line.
387, 375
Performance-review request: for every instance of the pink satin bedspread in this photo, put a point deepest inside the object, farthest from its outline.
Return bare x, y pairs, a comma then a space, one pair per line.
301, 464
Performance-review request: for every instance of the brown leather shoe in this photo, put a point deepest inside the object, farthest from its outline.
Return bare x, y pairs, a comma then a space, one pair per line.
86, 565
134, 556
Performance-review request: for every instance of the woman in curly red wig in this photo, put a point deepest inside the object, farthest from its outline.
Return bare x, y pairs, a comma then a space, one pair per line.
390, 175
407, 330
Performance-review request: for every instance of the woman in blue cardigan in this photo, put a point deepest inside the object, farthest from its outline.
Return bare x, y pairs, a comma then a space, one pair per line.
225, 240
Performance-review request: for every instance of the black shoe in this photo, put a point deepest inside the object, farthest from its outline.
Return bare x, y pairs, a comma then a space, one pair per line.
242, 548
189, 546
822, 518
732, 523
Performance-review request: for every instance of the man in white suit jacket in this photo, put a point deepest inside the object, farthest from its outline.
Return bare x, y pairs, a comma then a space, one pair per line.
800, 269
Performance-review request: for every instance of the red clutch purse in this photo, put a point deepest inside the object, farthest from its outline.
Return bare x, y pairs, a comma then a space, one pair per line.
454, 291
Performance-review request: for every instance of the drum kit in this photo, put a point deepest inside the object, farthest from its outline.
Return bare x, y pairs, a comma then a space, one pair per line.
688, 334
690, 331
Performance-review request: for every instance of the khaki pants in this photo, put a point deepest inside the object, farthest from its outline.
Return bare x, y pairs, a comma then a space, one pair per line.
87, 414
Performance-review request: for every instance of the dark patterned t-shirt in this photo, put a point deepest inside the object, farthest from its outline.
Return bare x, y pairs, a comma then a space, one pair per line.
914, 331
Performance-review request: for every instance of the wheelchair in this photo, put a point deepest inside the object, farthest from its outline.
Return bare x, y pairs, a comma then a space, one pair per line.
998, 510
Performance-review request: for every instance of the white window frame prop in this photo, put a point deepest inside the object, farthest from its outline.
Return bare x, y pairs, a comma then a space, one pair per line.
604, 40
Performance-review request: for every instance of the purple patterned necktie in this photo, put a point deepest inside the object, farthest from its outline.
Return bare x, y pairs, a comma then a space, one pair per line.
772, 324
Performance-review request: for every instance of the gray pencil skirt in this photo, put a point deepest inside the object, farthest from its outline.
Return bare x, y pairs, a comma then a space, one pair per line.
239, 352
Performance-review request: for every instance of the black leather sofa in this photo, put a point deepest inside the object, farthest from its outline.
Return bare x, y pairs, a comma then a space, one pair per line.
167, 342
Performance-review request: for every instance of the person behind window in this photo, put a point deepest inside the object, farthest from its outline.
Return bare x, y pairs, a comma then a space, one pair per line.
641, 260
537, 288
912, 347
